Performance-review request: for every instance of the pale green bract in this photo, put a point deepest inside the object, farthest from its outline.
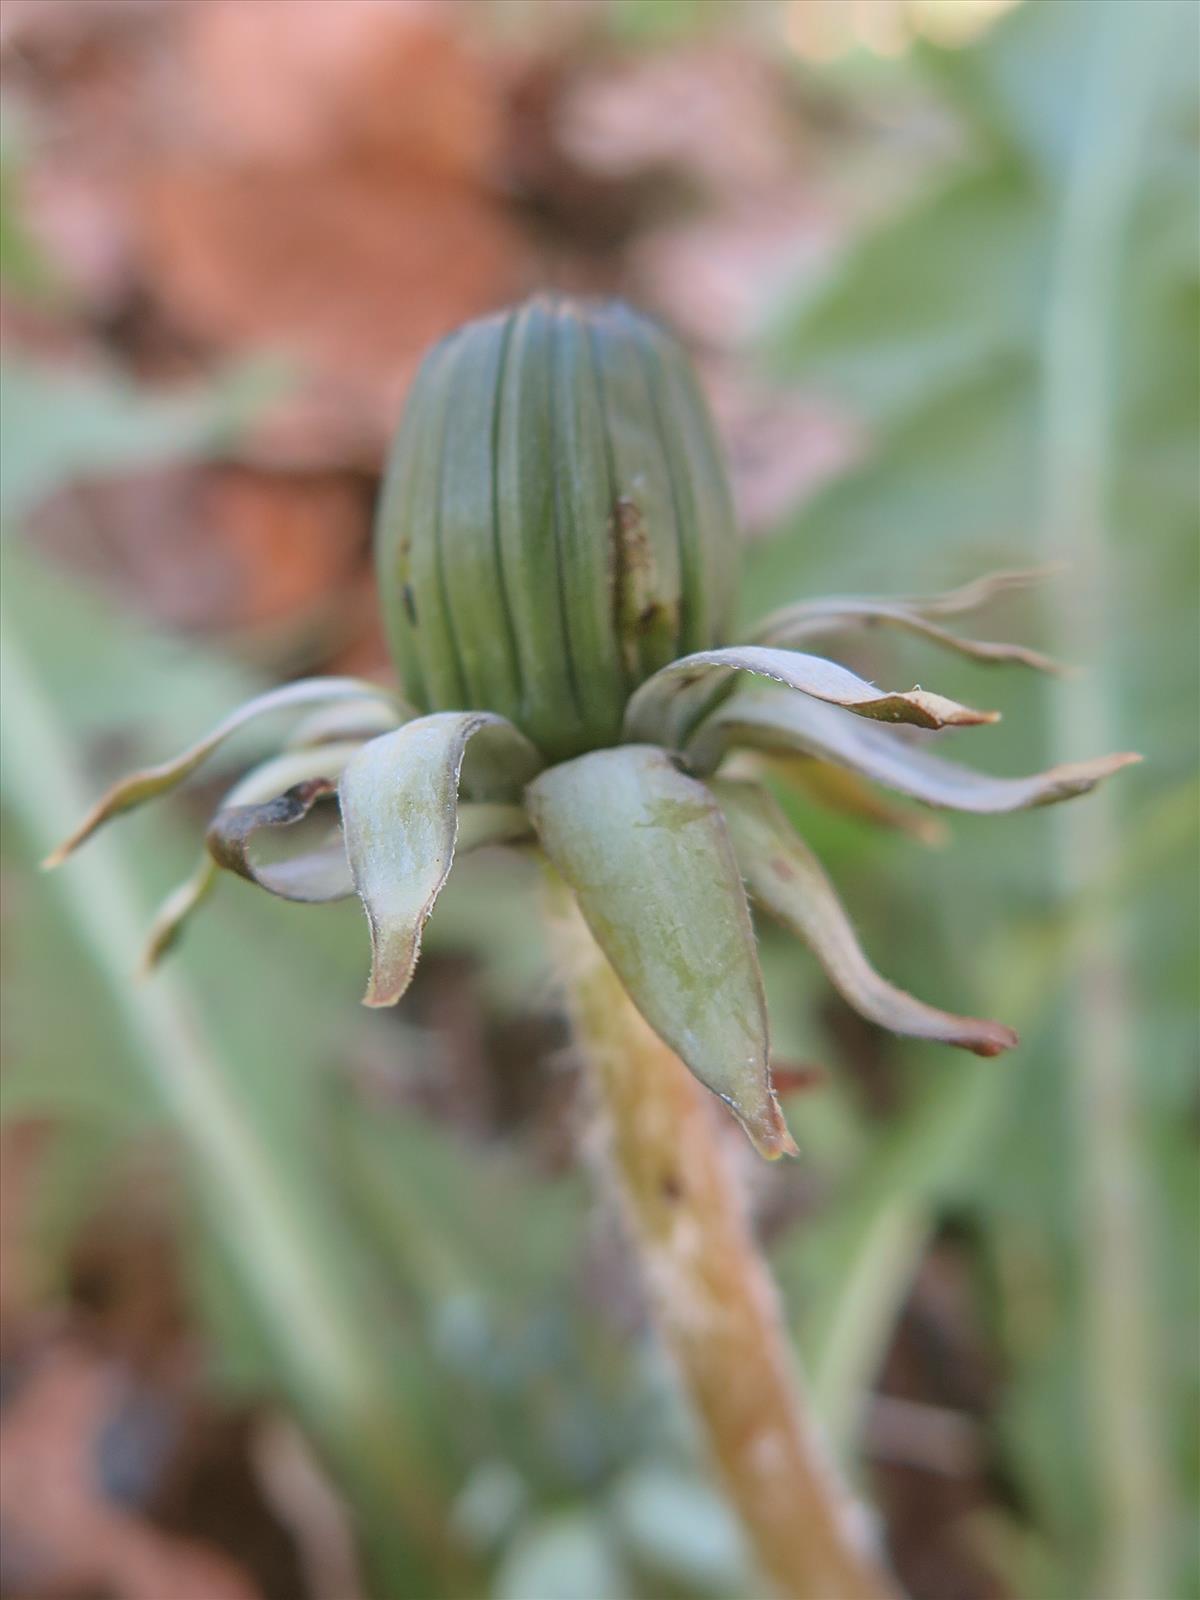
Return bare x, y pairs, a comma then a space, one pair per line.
669, 705
763, 720
557, 555
399, 803
647, 853
786, 879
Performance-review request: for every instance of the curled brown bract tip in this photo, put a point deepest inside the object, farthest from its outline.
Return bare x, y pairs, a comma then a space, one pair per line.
769, 1133
394, 954
989, 1039
122, 796
71, 843
784, 1146
921, 709
386, 987
1075, 778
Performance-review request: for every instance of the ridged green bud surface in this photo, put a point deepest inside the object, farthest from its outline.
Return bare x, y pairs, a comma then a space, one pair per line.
556, 524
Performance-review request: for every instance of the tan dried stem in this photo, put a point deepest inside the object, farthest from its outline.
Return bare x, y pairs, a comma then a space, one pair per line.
709, 1289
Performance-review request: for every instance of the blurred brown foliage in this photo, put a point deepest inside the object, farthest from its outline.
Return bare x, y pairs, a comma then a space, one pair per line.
341, 184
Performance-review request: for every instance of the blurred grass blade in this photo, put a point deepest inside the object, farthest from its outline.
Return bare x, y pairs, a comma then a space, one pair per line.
266, 1218
873, 1244
646, 852
151, 782
1125, 58
784, 876
1020, 346
399, 800
771, 721
666, 707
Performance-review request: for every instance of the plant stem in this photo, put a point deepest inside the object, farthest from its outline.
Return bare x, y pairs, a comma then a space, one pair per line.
1117, 81
709, 1289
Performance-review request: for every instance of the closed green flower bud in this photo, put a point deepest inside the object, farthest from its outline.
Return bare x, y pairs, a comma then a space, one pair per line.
556, 523
557, 548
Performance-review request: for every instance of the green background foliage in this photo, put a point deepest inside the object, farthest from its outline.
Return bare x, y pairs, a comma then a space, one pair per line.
463, 1369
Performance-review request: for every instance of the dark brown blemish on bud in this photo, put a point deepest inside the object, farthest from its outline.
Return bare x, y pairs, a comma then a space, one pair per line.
638, 610
631, 524
783, 868
633, 559
670, 1187
995, 1042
